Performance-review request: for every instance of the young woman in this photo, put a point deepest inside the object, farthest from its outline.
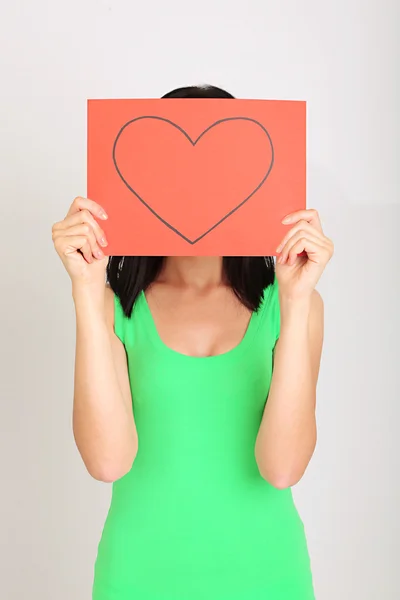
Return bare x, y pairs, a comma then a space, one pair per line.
195, 386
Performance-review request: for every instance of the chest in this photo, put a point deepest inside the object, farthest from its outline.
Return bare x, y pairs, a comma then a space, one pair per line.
198, 325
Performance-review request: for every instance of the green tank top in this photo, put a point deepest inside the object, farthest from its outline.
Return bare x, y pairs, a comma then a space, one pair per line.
193, 519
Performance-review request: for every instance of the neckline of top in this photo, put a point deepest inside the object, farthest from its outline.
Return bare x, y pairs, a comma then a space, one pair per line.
162, 346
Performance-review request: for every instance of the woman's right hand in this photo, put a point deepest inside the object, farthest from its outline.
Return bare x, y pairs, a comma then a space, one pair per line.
78, 240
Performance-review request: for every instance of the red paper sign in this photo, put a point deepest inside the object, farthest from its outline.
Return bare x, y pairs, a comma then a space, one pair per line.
184, 177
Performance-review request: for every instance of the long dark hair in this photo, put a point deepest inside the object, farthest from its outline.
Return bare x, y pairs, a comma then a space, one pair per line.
248, 277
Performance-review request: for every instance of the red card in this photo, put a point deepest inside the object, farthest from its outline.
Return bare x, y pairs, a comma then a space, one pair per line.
185, 177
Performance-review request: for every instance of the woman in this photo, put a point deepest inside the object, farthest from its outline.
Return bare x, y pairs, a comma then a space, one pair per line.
175, 360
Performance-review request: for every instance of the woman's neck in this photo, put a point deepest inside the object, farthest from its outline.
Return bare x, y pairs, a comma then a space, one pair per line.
193, 271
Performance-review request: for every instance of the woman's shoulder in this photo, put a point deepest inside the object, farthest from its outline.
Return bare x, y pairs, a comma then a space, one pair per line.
115, 315
269, 312
270, 295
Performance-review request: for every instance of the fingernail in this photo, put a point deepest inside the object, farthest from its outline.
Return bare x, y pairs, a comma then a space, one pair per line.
286, 219
278, 249
99, 254
103, 215
103, 241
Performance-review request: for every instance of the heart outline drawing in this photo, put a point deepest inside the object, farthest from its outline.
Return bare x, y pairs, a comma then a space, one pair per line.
193, 142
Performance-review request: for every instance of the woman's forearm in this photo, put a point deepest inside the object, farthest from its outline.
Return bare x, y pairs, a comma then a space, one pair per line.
103, 422
287, 435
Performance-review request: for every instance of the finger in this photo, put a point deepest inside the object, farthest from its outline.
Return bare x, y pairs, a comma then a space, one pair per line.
81, 203
310, 214
301, 226
87, 252
83, 230
83, 216
297, 241
310, 247
72, 244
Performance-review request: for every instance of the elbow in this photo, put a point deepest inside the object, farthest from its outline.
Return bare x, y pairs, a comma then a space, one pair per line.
282, 470
285, 482
280, 481
107, 464
109, 471
107, 475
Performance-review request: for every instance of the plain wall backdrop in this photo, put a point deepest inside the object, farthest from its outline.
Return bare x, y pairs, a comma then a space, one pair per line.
341, 57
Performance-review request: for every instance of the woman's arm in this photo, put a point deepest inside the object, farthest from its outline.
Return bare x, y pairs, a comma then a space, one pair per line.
103, 422
287, 435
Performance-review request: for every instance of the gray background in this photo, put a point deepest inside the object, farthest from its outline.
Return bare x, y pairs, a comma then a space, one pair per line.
342, 57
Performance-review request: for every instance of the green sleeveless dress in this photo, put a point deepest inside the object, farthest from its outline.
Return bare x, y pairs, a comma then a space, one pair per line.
193, 519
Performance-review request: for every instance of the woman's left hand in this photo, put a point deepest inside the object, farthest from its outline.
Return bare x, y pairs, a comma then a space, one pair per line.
298, 275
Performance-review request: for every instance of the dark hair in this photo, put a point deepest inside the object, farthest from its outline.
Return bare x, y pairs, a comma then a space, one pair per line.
128, 276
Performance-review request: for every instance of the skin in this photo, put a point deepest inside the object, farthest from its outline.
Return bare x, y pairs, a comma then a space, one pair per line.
195, 313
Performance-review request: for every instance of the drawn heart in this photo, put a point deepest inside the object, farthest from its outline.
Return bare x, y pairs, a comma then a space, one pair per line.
193, 192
